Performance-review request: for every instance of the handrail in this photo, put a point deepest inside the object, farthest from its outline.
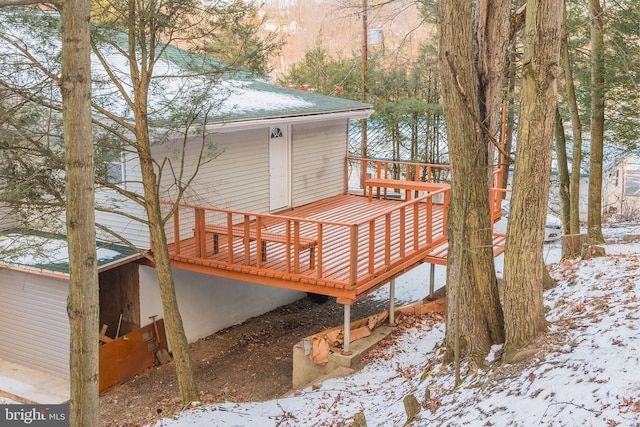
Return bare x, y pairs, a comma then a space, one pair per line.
496, 202
411, 169
248, 213
309, 220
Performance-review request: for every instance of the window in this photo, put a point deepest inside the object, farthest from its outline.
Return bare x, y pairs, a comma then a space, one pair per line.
110, 164
115, 174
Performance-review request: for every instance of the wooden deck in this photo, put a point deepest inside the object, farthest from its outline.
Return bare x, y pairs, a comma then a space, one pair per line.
345, 246
360, 246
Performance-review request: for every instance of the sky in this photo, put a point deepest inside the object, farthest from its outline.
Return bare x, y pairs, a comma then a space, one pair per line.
585, 371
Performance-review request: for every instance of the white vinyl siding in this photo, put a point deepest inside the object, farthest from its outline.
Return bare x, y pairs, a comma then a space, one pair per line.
132, 230
238, 178
34, 327
7, 220
319, 151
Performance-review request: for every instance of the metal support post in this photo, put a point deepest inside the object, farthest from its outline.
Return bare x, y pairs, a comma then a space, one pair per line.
392, 302
432, 276
347, 330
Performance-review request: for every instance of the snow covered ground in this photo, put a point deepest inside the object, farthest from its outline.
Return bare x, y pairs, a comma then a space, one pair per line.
586, 371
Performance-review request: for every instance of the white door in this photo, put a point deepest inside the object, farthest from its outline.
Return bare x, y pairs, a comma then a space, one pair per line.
279, 168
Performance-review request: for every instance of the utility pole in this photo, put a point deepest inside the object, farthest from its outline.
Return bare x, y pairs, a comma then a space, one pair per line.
365, 54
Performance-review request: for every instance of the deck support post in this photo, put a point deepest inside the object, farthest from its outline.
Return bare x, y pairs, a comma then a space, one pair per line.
432, 277
347, 330
392, 302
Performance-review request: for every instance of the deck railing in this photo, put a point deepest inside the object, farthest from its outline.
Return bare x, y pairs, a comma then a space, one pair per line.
411, 171
344, 251
342, 254
358, 169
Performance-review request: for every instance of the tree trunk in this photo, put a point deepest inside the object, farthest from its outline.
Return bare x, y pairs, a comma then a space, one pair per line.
508, 140
576, 129
162, 262
563, 174
524, 266
594, 214
173, 320
492, 34
471, 280
83, 301
141, 75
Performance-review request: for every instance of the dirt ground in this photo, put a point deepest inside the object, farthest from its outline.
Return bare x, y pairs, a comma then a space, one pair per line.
252, 361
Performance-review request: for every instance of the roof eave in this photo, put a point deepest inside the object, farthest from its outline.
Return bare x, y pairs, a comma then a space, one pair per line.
65, 275
35, 270
242, 124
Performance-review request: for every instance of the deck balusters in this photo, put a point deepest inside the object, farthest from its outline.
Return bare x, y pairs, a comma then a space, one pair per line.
354, 246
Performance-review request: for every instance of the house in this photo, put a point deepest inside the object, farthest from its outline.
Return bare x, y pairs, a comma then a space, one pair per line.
276, 149
267, 219
620, 181
280, 26
621, 187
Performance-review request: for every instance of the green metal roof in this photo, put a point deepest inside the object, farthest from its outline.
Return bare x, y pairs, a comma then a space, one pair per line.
245, 96
309, 103
252, 97
32, 250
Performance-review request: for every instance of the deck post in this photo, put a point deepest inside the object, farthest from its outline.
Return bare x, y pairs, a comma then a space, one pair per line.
347, 330
392, 302
432, 276
176, 230
353, 255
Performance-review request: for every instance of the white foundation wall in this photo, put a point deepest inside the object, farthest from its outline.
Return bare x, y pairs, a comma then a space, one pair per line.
209, 303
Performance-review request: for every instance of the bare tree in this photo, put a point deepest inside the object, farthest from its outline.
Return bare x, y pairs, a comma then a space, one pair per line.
564, 177
83, 304
524, 266
142, 98
474, 318
594, 215
576, 129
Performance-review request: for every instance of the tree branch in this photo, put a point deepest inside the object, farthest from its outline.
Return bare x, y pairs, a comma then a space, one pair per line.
467, 104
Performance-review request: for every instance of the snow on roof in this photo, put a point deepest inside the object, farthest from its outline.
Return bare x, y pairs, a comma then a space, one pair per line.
178, 82
49, 253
